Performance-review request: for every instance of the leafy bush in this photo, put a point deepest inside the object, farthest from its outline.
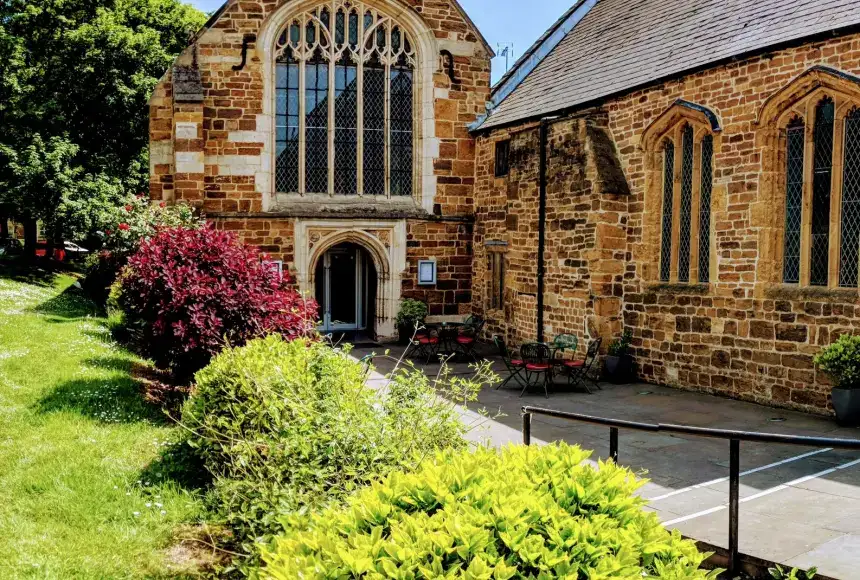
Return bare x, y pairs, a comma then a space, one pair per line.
286, 425
125, 226
188, 293
526, 512
841, 360
779, 573
411, 312
620, 346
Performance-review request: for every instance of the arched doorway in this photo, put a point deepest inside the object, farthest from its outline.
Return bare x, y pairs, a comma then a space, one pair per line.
346, 282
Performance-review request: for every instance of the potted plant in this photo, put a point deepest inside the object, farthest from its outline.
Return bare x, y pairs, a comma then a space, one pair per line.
412, 313
618, 365
841, 360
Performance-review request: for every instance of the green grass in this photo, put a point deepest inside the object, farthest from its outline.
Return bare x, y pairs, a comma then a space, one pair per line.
80, 494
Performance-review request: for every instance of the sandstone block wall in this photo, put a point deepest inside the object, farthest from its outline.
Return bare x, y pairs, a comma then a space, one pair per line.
741, 335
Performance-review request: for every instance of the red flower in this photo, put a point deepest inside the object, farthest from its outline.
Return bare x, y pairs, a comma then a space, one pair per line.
162, 204
107, 232
124, 227
128, 208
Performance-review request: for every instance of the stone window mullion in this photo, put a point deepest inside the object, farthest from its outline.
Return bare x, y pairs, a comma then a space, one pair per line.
387, 125
695, 209
836, 197
302, 58
332, 92
678, 138
806, 208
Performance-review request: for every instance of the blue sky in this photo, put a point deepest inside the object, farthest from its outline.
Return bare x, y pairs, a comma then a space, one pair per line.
501, 21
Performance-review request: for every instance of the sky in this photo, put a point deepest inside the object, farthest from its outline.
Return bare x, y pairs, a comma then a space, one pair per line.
501, 22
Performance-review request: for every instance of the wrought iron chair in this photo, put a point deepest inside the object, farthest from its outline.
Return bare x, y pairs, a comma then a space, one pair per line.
564, 342
515, 366
446, 342
423, 346
579, 371
538, 367
468, 336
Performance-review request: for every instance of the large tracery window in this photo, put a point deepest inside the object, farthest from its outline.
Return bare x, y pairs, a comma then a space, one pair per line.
345, 100
821, 184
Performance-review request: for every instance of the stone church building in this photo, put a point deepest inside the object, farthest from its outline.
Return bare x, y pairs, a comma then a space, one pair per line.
685, 169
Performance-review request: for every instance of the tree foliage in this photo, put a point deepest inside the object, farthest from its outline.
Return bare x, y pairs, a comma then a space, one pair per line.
76, 82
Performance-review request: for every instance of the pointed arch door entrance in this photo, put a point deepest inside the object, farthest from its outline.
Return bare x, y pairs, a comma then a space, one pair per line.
346, 284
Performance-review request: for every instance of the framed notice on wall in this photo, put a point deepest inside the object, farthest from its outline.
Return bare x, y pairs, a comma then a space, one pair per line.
427, 272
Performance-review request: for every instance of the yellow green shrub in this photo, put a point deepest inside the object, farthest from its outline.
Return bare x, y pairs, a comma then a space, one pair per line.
524, 512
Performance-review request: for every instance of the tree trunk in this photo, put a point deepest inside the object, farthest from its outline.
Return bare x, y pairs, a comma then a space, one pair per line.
30, 233
4, 226
56, 248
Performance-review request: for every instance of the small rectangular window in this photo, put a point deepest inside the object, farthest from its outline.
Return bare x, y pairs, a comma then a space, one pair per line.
496, 269
503, 152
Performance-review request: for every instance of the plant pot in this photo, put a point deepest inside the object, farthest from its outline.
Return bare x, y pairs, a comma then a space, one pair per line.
618, 369
846, 403
405, 332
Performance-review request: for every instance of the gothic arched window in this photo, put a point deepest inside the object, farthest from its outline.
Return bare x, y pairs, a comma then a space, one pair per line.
344, 103
679, 147
821, 241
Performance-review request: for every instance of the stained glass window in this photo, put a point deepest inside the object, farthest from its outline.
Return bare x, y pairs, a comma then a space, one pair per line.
821, 186
351, 112
668, 193
705, 209
795, 137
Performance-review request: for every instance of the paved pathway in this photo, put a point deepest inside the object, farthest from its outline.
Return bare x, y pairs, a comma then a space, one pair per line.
800, 506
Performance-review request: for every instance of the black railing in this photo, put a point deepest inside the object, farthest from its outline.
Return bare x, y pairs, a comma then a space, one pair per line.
734, 438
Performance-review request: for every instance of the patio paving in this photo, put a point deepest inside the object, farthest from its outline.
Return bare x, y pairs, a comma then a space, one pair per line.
800, 506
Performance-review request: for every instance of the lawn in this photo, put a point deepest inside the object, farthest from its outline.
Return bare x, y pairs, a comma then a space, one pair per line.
81, 496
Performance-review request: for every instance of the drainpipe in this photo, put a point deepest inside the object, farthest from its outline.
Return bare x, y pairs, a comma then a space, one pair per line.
541, 266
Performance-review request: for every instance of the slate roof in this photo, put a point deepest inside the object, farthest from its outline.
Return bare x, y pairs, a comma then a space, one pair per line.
623, 44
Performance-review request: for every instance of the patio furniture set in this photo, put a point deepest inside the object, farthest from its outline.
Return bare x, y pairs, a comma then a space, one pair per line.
539, 363
447, 339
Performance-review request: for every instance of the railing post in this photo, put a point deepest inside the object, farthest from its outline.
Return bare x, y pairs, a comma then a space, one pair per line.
527, 428
734, 504
613, 444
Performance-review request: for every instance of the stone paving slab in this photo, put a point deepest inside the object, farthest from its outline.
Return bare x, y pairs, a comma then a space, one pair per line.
812, 521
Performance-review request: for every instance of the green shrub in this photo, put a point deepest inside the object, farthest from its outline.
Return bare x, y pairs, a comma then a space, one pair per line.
841, 360
526, 512
286, 425
779, 573
411, 312
620, 346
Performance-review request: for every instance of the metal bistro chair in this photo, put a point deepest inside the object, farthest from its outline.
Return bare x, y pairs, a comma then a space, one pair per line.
516, 366
578, 371
538, 367
447, 342
564, 342
468, 336
424, 347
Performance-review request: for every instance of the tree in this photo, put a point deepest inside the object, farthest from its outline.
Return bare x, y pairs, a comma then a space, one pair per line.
77, 81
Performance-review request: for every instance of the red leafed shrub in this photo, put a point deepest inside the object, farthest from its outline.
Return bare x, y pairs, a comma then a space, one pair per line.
190, 292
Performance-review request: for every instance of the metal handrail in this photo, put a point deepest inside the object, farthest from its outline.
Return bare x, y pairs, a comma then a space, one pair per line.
733, 436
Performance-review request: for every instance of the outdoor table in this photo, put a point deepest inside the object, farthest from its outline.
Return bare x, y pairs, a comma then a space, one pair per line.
447, 333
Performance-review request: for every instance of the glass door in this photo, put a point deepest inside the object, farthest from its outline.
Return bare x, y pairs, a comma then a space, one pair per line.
340, 289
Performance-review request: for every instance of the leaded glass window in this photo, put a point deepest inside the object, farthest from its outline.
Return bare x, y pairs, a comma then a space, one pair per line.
795, 140
686, 205
705, 209
345, 99
822, 178
668, 199
685, 227
850, 202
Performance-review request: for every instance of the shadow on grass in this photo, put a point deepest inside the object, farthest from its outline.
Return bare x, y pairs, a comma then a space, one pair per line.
178, 463
110, 399
36, 273
71, 304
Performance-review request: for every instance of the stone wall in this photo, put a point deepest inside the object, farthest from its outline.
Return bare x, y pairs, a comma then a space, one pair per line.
211, 129
585, 235
743, 335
